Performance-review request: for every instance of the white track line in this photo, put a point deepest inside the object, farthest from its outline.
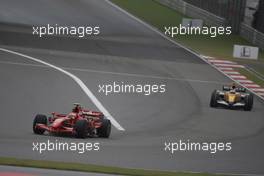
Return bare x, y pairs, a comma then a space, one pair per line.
78, 81
180, 45
238, 76
221, 61
232, 73
116, 73
225, 68
230, 65
258, 90
251, 85
207, 57
244, 81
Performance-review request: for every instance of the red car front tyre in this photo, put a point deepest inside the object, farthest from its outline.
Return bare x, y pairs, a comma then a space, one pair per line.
105, 130
81, 128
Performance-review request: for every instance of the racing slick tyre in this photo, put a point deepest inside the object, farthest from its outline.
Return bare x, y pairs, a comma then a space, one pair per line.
41, 119
214, 98
81, 128
105, 130
248, 102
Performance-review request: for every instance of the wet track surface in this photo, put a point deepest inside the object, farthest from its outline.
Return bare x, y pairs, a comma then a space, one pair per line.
126, 51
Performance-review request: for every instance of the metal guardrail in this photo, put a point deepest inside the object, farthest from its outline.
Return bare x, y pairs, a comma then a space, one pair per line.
246, 31
194, 12
252, 35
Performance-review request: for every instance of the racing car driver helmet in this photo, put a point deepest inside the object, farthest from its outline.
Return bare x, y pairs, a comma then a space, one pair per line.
77, 108
233, 86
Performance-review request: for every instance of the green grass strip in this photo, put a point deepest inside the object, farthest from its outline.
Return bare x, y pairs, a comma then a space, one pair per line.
90, 168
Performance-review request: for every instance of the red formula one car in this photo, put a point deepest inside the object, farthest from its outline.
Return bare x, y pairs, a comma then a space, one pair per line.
79, 122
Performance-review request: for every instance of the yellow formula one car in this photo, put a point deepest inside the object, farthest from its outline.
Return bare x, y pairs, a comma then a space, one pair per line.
232, 97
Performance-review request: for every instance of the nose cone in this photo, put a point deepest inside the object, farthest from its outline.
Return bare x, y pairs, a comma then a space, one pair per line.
231, 98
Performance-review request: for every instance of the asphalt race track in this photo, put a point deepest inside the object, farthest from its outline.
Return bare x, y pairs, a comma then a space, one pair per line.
125, 51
